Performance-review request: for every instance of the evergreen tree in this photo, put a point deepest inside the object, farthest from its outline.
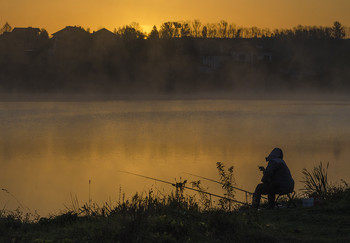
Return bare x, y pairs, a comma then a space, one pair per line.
338, 31
6, 28
154, 33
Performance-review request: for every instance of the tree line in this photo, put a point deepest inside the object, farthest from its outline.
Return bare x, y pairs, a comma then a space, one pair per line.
223, 29
170, 59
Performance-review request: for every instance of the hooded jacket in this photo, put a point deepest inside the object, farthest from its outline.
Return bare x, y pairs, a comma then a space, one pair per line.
277, 173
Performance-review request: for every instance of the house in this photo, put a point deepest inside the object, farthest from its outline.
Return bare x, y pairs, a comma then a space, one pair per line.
214, 54
213, 62
69, 31
104, 34
217, 53
70, 38
250, 54
103, 39
26, 32
24, 38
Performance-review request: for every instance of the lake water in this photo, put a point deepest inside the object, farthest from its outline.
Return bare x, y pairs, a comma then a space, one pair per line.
50, 150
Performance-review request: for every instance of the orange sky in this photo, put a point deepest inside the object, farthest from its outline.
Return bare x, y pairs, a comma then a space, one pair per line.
54, 15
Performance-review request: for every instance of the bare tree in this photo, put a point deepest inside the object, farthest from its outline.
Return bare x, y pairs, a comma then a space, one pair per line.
137, 27
177, 29
196, 28
266, 32
223, 26
255, 32
166, 30
239, 33
185, 30
231, 31
128, 32
212, 30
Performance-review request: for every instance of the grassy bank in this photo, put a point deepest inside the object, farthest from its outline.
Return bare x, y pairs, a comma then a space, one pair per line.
172, 218
177, 217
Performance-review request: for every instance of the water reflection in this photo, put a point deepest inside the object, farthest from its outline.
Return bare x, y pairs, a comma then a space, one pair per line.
51, 149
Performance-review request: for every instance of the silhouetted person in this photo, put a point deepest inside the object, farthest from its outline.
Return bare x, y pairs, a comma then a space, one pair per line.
277, 179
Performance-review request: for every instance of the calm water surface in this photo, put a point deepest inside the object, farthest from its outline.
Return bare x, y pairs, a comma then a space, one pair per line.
50, 150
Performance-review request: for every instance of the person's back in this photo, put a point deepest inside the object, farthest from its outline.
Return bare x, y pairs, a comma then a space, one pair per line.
278, 175
277, 179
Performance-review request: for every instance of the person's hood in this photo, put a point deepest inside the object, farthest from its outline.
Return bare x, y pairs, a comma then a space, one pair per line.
275, 153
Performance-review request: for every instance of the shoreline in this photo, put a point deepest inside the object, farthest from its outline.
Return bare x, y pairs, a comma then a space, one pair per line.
92, 97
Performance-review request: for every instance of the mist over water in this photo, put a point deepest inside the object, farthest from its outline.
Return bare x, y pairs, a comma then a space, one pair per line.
50, 150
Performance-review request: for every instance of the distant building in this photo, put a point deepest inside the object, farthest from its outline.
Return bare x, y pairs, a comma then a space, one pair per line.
103, 34
250, 54
103, 39
70, 37
69, 34
24, 38
26, 31
214, 54
212, 62
221, 52
69, 31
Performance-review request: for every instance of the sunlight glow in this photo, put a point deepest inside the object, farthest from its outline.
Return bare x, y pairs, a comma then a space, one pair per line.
147, 28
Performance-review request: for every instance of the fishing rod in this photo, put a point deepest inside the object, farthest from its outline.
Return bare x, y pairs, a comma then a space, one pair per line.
218, 182
182, 185
19, 203
151, 178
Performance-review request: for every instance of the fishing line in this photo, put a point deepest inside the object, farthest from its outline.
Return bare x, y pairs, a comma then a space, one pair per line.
183, 186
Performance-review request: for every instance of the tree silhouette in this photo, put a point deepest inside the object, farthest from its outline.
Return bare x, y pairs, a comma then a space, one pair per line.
231, 31
338, 31
173, 58
44, 34
205, 32
185, 30
128, 32
238, 33
177, 29
196, 27
166, 30
6, 28
223, 29
212, 30
154, 33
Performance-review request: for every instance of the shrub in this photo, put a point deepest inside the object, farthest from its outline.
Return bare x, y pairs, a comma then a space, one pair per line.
316, 181
316, 184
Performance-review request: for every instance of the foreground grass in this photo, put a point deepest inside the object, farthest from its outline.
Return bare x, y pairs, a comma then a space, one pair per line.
329, 222
174, 219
